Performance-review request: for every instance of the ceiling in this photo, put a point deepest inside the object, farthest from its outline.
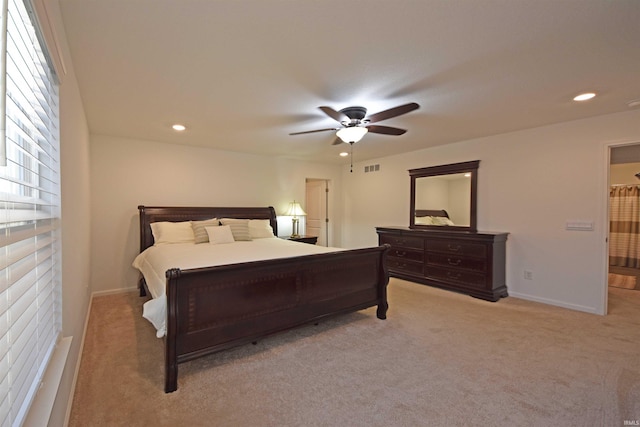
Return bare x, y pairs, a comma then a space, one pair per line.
243, 74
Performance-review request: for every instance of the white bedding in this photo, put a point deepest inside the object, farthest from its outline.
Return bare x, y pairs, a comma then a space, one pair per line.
156, 260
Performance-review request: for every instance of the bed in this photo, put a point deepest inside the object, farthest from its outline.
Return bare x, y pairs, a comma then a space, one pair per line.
432, 217
212, 308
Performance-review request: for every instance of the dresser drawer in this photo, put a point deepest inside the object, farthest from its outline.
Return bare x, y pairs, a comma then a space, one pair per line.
404, 265
474, 264
402, 241
457, 247
449, 275
410, 254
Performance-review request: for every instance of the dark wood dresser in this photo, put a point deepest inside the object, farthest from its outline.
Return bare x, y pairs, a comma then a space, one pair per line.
469, 262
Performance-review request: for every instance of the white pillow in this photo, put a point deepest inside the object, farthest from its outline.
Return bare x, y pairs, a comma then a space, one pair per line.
220, 234
424, 220
172, 232
441, 220
260, 228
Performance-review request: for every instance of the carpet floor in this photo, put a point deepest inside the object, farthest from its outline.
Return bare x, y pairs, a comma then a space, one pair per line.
440, 359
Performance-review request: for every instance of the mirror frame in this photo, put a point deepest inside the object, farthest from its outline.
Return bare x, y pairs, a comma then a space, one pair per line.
452, 168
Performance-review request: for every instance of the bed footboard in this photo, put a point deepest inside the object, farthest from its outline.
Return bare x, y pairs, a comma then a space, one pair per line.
215, 308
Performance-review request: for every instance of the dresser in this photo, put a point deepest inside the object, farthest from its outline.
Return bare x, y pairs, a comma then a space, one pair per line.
469, 262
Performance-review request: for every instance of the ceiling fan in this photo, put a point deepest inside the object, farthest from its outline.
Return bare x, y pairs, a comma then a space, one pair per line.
355, 122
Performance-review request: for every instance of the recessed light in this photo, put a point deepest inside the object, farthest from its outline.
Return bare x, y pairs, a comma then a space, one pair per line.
584, 96
179, 128
344, 154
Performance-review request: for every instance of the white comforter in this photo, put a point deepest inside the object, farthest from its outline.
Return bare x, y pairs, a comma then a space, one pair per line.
156, 260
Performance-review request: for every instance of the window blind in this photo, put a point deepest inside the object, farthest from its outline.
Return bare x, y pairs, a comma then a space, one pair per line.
30, 284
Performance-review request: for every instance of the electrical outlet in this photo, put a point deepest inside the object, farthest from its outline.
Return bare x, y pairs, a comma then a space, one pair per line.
528, 274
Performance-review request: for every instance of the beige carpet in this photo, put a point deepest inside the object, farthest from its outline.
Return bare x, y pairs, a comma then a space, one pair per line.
622, 281
440, 359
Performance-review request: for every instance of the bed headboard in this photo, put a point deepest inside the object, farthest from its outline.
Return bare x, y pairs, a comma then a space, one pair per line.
149, 214
430, 212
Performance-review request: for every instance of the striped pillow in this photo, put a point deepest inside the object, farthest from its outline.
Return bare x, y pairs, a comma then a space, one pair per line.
199, 230
239, 228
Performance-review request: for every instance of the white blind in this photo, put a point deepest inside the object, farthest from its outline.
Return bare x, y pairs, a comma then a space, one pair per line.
30, 318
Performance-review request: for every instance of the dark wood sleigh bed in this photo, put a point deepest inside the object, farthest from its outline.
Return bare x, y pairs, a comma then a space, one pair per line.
216, 308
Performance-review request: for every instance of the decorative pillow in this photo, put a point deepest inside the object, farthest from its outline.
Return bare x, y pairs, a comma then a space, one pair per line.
172, 232
441, 220
260, 228
219, 234
239, 228
424, 220
199, 231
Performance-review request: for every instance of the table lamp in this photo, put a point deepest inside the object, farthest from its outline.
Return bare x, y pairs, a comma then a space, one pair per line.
295, 210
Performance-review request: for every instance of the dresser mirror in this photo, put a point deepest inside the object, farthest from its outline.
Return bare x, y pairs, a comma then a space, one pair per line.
444, 196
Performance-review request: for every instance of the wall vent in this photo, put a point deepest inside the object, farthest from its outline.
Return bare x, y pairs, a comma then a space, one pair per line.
371, 168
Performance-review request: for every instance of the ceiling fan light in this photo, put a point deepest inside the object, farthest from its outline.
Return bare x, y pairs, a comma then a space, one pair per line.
352, 134
584, 96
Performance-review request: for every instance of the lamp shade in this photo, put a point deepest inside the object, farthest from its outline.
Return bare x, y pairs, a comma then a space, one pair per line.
352, 134
295, 209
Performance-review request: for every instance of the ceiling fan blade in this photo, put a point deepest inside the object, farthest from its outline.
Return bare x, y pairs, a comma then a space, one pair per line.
313, 131
335, 115
393, 112
386, 130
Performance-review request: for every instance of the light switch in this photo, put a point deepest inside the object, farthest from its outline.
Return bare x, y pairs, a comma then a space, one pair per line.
580, 225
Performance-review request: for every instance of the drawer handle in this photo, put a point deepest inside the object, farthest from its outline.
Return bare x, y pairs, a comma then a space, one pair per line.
456, 262
453, 248
451, 275
401, 254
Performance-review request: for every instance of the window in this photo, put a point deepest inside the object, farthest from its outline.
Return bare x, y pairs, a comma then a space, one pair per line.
30, 285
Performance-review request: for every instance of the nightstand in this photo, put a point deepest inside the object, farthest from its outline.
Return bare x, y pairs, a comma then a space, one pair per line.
304, 239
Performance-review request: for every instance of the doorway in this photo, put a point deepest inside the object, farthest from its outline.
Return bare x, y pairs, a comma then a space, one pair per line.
624, 218
317, 207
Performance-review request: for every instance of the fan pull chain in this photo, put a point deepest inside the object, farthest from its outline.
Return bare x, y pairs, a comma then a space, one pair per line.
351, 156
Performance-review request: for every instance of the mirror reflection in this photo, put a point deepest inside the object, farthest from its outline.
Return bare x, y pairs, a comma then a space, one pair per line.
444, 196
444, 200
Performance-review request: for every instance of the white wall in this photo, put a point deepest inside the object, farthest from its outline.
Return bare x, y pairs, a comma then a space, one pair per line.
126, 173
530, 183
459, 201
432, 193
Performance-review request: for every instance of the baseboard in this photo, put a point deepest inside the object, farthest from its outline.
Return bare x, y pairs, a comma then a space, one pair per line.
556, 303
113, 292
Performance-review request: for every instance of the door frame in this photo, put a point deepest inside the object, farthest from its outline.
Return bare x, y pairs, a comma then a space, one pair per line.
607, 147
